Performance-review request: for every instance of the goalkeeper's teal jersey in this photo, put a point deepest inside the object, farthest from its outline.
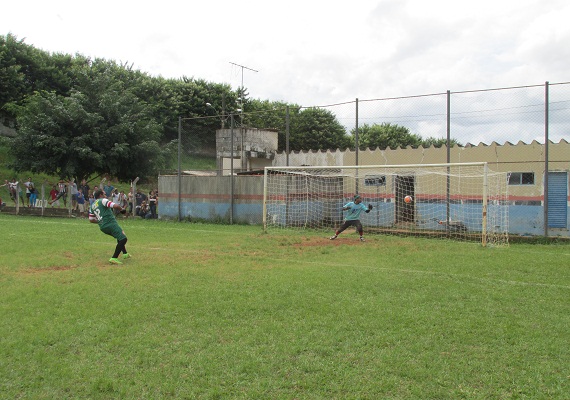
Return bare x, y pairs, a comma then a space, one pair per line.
354, 210
102, 209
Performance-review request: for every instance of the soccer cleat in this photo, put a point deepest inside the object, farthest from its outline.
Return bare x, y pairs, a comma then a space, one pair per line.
333, 237
114, 261
126, 255
362, 239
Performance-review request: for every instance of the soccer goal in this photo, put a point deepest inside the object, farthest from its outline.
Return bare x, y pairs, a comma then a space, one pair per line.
464, 201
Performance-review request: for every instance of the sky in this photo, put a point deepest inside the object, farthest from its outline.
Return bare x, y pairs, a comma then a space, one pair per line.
316, 52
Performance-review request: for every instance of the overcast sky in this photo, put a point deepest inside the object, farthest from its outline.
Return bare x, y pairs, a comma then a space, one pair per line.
314, 52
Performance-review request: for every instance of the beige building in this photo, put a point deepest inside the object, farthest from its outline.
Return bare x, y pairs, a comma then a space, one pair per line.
523, 161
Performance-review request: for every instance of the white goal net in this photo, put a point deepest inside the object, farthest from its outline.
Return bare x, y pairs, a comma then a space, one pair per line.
464, 201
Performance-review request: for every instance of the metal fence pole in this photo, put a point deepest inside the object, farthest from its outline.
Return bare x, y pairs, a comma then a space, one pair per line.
17, 197
287, 136
356, 143
232, 171
546, 109
179, 169
448, 185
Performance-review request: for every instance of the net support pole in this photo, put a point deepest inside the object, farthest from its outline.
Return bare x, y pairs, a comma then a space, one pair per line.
484, 208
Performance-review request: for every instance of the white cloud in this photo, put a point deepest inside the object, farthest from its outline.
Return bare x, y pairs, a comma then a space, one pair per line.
314, 52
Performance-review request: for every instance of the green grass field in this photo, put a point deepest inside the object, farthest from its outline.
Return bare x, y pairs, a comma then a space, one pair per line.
228, 312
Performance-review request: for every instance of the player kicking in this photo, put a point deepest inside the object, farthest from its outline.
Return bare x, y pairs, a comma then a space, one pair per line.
354, 208
101, 212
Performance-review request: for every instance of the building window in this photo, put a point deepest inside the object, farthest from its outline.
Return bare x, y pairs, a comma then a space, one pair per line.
521, 178
375, 180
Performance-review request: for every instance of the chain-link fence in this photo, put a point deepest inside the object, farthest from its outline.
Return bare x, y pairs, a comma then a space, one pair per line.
241, 144
515, 114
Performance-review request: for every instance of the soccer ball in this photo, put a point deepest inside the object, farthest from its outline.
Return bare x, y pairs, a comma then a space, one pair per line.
408, 199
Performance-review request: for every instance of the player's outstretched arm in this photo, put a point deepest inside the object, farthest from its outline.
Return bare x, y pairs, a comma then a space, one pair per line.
120, 208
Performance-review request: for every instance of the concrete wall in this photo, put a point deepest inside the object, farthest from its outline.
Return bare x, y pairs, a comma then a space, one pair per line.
208, 198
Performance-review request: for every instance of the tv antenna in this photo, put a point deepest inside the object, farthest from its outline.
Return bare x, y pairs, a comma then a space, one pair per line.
242, 87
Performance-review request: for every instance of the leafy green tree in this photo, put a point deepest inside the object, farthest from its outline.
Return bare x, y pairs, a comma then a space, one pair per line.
25, 70
390, 135
317, 129
438, 142
265, 114
102, 127
386, 135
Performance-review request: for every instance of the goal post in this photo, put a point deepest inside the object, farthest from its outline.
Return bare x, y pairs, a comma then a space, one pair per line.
463, 201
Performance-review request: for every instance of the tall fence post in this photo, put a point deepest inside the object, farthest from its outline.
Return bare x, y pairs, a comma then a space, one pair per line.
546, 122
287, 135
179, 169
232, 170
356, 139
448, 158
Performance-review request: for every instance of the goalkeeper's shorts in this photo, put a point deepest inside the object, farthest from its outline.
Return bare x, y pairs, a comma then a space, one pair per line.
351, 222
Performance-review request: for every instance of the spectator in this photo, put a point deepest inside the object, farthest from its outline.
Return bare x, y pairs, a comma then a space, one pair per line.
53, 196
84, 188
92, 198
139, 198
81, 203
27, 184
123, 201
130, 200
33, 192
108, 189
73, 192
143, 210
2, 204
114, 197
15, 191
61, 194
152, 202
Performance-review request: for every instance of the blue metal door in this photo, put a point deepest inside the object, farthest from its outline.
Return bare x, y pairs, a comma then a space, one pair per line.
557, 199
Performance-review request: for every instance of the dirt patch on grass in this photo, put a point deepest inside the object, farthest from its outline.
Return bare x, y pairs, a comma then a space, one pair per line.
49, 269
324, 241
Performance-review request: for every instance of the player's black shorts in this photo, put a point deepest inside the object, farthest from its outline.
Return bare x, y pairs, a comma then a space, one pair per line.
353, 222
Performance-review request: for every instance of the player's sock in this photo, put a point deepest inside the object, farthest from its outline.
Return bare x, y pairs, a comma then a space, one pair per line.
120, 248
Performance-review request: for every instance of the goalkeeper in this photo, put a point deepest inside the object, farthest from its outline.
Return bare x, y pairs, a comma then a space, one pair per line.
354, 209
101, 212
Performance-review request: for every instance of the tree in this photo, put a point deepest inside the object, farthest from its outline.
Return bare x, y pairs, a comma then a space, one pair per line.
317, 129
265, 114
439, 142
102, 127
25, 70
386, 135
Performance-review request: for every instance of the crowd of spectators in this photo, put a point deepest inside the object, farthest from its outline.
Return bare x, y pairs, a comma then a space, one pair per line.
81, 197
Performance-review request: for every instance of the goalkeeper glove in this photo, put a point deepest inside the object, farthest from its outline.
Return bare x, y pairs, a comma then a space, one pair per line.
123, 211
370, 207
